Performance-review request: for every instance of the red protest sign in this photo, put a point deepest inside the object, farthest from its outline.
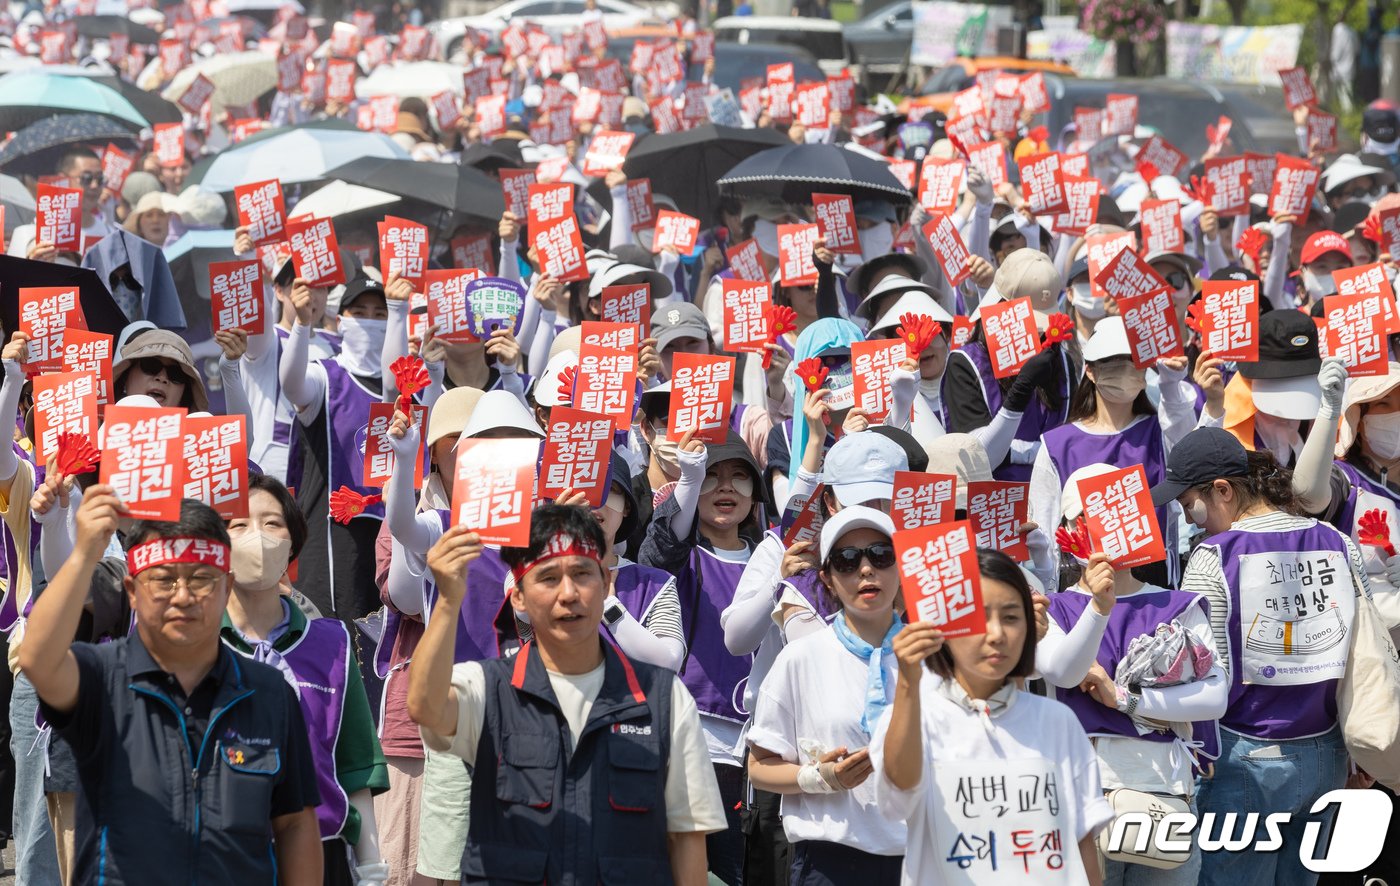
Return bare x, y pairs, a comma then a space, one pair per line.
1120, 519
315, 251
1227, 179
493, 492
1390, 231
1322, 130
836, 220
1161, 226
610, 336
744, 261
606, 382
990, 158
403, 250
473, 252
1163, 155
963, 328
1295, 182
236, 295
1074, 164
1297, 87
1153, 332
796, 266
940, 579
812, 104
969, 103
1261, 171
340, 80
116, 166
58, 217
677, 231
1089, 125
549, 202
871, 364
1103, 249
806, 521
446, 292
948, 248
1357, 330
1230, 319
200, 90
997, 510
64, 403
940, 184
702, 392
560, 247
170, 144
626, 303
1012, 337
143, 459
1120, 114
904, 172
842, 89
780, 90
1034, 95
91, 354
639, 202
577, 455
491, 115
606, 152
1082, 195
745, 315
922, 499
1128, 275
45, 312
261, 209
216, 463
515, 185
1043, 183
1364, 278
379, 455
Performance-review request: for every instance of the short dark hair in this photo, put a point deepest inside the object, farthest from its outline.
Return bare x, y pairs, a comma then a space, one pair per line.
997, 566
551, 520
197, 520
291, 514
77, 152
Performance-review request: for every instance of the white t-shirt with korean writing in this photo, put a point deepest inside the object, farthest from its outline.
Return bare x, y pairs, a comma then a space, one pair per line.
1020, 787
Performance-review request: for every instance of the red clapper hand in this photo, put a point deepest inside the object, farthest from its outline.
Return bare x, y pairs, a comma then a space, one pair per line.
75, 455
411, 376
1074, 542
346, 504
781, 320
1373, 528
917, 331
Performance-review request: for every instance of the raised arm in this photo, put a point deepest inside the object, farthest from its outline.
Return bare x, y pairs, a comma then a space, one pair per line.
432, 702
303, 390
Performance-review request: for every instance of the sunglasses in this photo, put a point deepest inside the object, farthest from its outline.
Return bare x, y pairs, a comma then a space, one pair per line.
847, 560
156, 366
90, 178
1178, 279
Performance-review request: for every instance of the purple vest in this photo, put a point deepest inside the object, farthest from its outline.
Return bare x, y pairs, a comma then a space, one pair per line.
347, 408
637, 587
1036, 421
809, 585
1267, 711
1133, 616
1356, 503
714, 676
486, 583
9, 603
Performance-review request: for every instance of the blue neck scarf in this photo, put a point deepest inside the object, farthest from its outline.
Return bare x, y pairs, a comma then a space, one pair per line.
877, 695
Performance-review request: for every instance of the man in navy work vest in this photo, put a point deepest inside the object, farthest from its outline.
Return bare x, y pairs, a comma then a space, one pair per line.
194, 762
587, 767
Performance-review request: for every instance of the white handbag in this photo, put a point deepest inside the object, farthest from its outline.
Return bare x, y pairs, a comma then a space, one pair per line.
1368, 697
1154, 807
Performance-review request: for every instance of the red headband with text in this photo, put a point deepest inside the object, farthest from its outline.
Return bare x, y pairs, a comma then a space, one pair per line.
165, 551
561, 545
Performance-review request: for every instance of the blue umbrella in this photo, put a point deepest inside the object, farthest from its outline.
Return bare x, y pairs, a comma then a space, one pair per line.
30, 96
300, 155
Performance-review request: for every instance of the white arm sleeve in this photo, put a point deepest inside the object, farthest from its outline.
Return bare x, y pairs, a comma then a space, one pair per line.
745, 620
303, 389
1045, 511
1064, 659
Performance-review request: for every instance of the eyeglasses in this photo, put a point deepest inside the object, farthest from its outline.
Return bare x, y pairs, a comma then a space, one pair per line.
741, 483
163, 588
847, 560
89, 179
156, 366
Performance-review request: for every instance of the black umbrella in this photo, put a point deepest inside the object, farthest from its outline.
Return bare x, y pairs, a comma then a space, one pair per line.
100, 27
149, 104
685, 165
461, 190
99, 310
37, 147
795, 172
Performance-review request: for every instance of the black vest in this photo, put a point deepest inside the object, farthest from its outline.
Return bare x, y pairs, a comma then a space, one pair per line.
541, 815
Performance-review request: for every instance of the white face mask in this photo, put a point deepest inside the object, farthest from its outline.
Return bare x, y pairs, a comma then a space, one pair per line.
1318, 285
1381, 432
361, 344
259, 560
766, 233
1086, 304
665, 449
876, 241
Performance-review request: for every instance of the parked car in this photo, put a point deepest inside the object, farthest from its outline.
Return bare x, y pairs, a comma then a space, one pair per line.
555, 16
879, 43
737, 62
818, 36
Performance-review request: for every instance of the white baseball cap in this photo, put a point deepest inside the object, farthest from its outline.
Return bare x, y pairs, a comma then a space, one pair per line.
849, 520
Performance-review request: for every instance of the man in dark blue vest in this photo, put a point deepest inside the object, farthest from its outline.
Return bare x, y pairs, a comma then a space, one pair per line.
588, 767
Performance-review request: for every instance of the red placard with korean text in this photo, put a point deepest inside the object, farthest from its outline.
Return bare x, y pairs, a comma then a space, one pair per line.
1120, 518
262, 210
922, 499
940, 183
675, 230
315, 251
116, 166
1297, 87
236, 295
1161, 226
1102, 250
200, 90
990, 158
1012, 337
1227, 179
796, 266
491, 115
1120, 115
997, 510
607, 151
1322, 130
560, 247
1295, 182
812, 105
58, 217
1043, 183
940, 579
473, 252
1390, 231
1082, 195
216, 463
143, 459
1230, 319
403, 250
549, 202
948, 247
1357, 329
1163, 155
1034, 95
702, 393
627, 303
1153, 332
639, 202
340, 80
1128, 275
904, 172
612, 336
90, 353
803, 524
446, 292
170, 144
379, 455
45, 313
1088, 125
606, 382
1261, 171
871, 363
745, 315
744, 262
493, 492
515, 185
64, 403
577, 455
836, 219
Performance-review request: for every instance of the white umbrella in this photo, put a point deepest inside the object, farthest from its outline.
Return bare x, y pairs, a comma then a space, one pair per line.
342, 198
239, 78
423, 79
297, 155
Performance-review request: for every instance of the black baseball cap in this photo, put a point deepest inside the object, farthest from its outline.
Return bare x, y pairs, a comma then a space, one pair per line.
1379, 123
1202, 456
1287, 347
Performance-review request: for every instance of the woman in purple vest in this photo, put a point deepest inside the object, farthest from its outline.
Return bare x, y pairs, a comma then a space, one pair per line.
1282, 595
1092, 624
818, 706
318, 660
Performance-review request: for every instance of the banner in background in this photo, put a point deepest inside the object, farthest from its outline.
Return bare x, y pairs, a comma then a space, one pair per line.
943, 31
1231, 54
1061, 40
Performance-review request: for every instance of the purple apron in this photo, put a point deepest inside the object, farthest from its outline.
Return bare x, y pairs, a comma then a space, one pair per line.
714, 676
486, 581
1035, 421
347, 407
637, 587
809, 585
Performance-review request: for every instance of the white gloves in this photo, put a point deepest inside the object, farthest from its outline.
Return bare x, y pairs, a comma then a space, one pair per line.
1332, 378
373, 874
1392, 571
978, 184
405, 446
